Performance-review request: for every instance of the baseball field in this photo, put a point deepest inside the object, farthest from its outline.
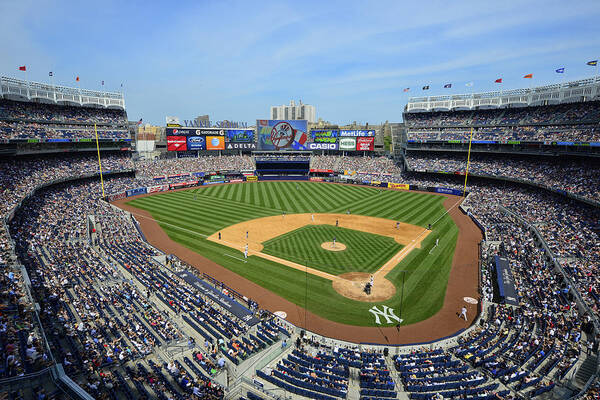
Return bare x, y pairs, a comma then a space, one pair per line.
288, 230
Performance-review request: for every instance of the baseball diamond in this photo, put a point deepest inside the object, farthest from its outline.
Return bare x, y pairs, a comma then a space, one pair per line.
385, 234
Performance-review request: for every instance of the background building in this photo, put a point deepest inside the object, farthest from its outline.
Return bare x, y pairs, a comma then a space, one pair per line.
293, 111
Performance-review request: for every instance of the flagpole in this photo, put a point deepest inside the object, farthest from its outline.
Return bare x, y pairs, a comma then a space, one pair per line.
99, 162
468, 161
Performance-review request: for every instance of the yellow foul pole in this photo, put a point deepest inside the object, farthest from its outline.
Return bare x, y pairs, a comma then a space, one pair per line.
99, 162
468, 161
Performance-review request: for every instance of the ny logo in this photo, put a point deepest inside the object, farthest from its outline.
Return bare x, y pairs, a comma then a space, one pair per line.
387, 312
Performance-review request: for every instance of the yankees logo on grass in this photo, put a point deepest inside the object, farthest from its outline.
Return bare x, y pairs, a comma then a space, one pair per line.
387, 313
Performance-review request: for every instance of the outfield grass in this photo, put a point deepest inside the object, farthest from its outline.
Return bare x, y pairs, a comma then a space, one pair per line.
189, 216
365, 252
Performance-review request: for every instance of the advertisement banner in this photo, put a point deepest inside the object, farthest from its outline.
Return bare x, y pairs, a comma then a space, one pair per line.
236, 180
322, 146
158, 188
240, 135
316, 179
252, 178
182, 184
347, 143
324, 135
117, 196
215, 143
365, 143
194, 132
158, 178
135, 192
357, 132
376, 183
282, 135
196, 143
401, 186
241, 146
176, 143
326, 171
455, 192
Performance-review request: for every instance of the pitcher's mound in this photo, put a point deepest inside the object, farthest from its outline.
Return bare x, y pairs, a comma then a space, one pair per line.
352, 285
329, 246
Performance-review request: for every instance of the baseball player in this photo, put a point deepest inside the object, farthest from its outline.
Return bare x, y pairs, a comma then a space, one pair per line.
463, 313
219, 235
333, 242
246, 251
437, 241
371, 280
312, 217
397, 225
337, 223
246, 235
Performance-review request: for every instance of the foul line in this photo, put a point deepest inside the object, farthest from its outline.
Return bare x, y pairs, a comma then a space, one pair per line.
229, 255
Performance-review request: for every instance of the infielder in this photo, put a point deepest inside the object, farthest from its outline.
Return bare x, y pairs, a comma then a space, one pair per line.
312, 217
246, 236
246, 251
333, 242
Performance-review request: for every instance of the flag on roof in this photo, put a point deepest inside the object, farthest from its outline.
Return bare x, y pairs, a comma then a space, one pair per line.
469, 84
499, 80
560, 70
528, 76
593, 63
102, 83
50, 73
447, 85
77, 79
23, 68
426, 87
406, 89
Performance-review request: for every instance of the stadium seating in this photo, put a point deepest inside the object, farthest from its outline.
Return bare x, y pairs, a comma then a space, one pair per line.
25, 120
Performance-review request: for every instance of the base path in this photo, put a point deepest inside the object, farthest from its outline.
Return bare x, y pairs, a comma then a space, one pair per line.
463, 281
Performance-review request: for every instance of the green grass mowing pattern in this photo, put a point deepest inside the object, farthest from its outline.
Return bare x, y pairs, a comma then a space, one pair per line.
191, 215
365, 252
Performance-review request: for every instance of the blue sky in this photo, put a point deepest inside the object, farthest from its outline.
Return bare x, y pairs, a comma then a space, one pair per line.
233, 60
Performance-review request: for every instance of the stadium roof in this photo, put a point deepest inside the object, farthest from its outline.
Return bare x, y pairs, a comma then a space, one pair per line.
21, 90
568, 92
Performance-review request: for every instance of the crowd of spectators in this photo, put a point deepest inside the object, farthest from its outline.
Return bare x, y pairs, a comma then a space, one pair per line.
174, 166
581, 177
360, 164
549, 114
577, 122
28, 120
